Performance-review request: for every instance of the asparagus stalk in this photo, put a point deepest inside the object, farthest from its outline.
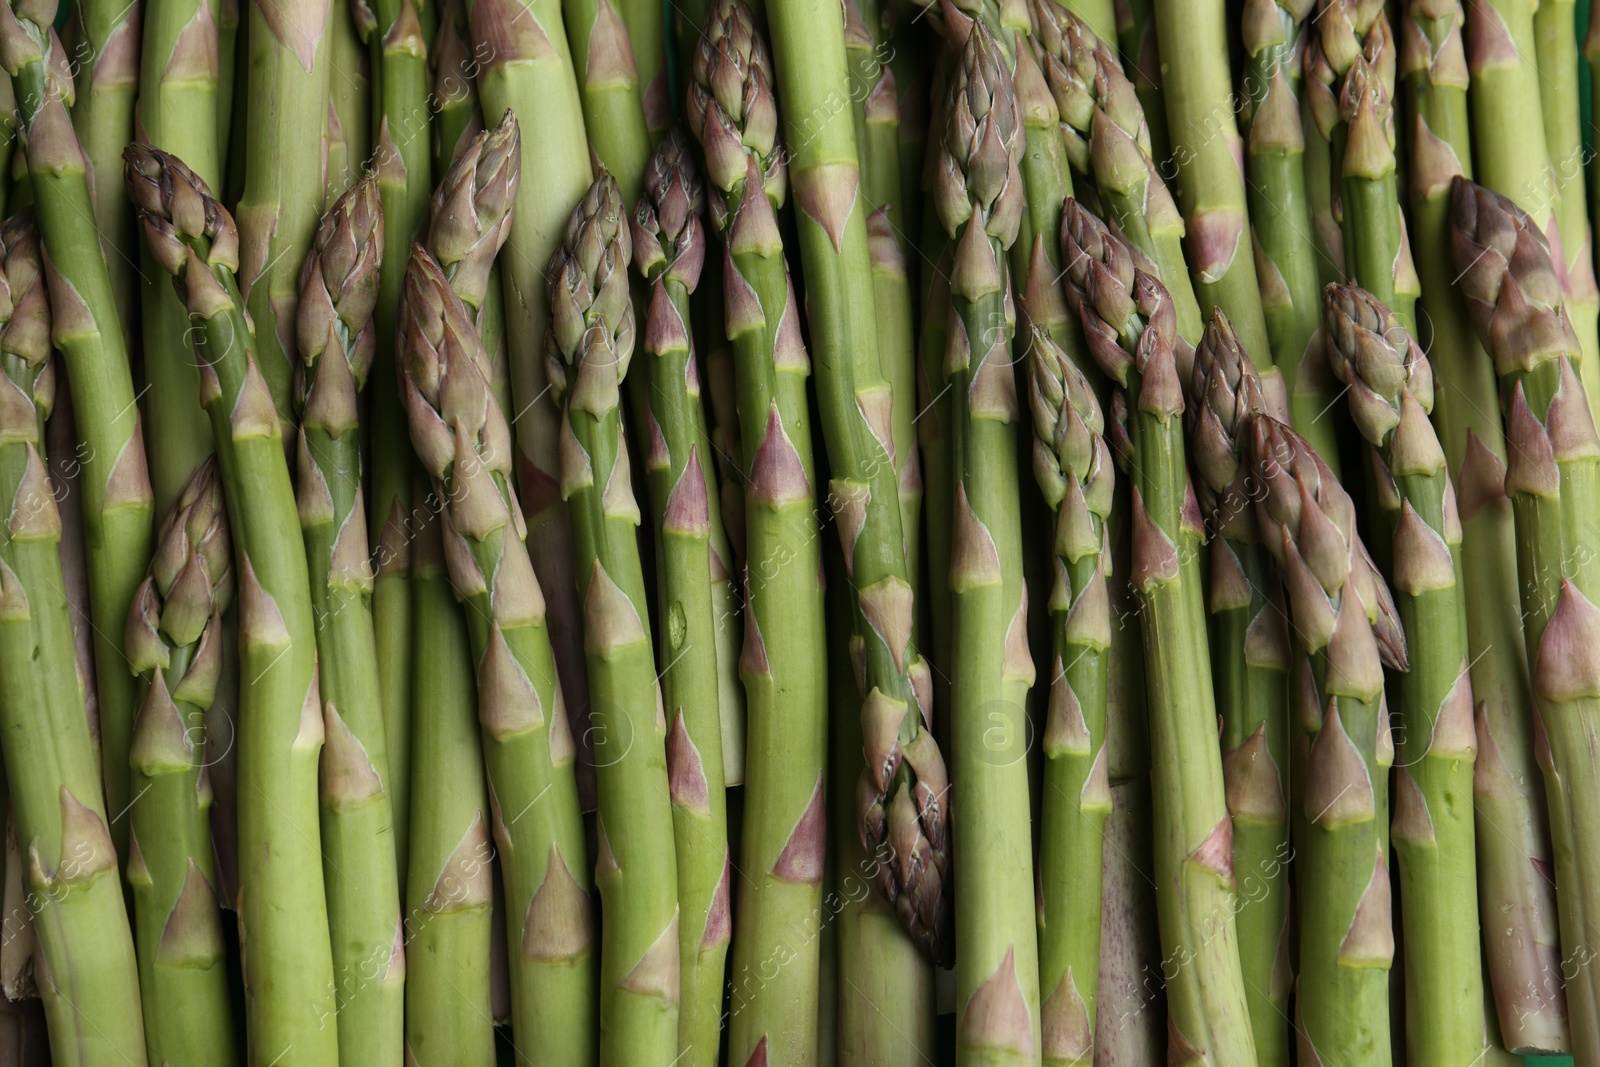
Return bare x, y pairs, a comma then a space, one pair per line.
1141, 57
1517, 903
87, 971
283, 916
1100, 16
731, 110
1074, 471
450, 878
669, 250
177, 111
230, 42
175, 641
349, 101
587, 354
288, 97
106, 64
979, 195
1205, 142
526, 68
455, 90
338, 289
613, 113
117, 503
1390, 389
646, 26
1286, 253
1512, 291
901, 799
1346, 938
528, 747
1130, 326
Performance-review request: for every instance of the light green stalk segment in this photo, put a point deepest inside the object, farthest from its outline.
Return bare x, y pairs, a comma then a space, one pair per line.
1517, 904
176, 643
527, 69
646, 25
1512, 291
527, 744
1195, 890
1205, 141
290, 60
455, 91
1250, 664
117, 504
772, 1011
449, 1016
1099, 15
901, 802
613, 113
177, 111
589, 348
1556, 58
1277, 162
288, 966
1074, 471
980, 199
350, 101
669, 251
85, 967
1141, 57
338, 288
1390, 389
106, 68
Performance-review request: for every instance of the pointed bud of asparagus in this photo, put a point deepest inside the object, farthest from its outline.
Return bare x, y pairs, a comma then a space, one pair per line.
471, 210
731, 108
338, 292
589, 298
1067, 422
24, 300
978, 169
1372, 353
668, 236
1224, 392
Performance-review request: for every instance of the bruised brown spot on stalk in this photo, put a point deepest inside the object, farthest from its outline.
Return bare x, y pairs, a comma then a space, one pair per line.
559, 925
800, 860
996, 1016
1369, 941
1068, 1035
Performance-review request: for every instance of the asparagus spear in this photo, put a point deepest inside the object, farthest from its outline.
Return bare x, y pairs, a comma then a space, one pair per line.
527, 69
1346, 939
1099, 16
1205, 142
901, 799
731, 110
175, 641
287, 85
669, 249
86, 954
117, 504
1130, 326
1250, 662
177, 111
646, 24
1074, 471
338, 288
106, 64
528, 747
349, 101
589, 347
1517, 903
1141, 57
1390, 389
1513, 294
979, 195
613, 113
230, 42
448, 929
1286, 253
288, 965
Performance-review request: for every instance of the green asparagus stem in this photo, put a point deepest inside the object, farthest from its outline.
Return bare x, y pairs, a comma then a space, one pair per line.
669, 251
1346, 936
1250, 664
230, 42
1074, 471
1206, 149
449, 1017
288, 966
1130, 326
1100, 16
645, 22
107, 67
177, 111
587, 354
1141, 57
979, 196
901, 800
175, 644
288, 98
613, 113
455, 91
117, 501
1513, 294
527, 69
86, 969
731, 110
1280, 214
1390, 389
350, 100
338, 289
528, 748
